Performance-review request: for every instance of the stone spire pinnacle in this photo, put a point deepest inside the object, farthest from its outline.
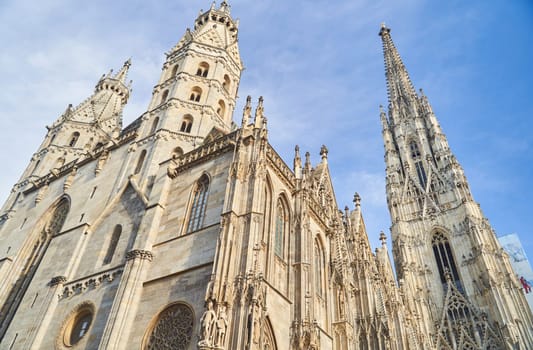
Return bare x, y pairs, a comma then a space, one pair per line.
123, 73
117, 83
399, 86
297, 163
259, 116
224, 6
247, 111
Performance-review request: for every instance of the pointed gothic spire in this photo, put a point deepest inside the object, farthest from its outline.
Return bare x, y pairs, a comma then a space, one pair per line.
399, 86
247, 112
123, 73
297, 164
259, 117
307, 167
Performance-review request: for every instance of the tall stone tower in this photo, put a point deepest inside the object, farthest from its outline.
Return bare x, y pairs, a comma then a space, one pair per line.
457, 280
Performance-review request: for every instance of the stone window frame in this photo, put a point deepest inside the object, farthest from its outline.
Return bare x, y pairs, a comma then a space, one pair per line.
198, 204
203, 69
63, 338
281, 228
445, 259
158, 316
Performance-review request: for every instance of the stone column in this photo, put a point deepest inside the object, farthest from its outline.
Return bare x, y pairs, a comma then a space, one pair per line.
126, 300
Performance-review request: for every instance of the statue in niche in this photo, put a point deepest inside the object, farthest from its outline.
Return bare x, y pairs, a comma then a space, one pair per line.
342, 311
222, 326
207, 325
254, 326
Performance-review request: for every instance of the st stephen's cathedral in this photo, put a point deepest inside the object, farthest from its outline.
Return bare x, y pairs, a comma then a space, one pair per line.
186, 230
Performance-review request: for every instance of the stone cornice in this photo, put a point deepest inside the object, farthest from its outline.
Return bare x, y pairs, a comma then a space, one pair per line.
279, 166
81, 285
86, 158
201, 154
139, 254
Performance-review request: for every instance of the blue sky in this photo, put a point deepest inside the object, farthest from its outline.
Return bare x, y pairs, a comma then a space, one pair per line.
319, 66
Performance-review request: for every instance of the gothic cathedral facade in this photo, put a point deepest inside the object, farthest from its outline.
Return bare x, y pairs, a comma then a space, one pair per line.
184, 230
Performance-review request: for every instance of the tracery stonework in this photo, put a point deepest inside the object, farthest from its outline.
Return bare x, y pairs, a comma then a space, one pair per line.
212, 241
173, 330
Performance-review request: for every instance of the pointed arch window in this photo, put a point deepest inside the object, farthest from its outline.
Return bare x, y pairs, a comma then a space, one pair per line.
154, 125
140, 162
196, 94
319, 268
281, 229
221, 110
74, 139
186, 124
445, 261
267, 207
415, 152
419, 167
227, 83
30, 261
164, 96
174, 71
203, 69
113, 244
199, 205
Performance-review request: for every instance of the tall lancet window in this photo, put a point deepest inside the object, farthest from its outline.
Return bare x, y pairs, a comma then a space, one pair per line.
281, 228
113, 244
140, 162
319, 269
445, 260
199, 204
420, 171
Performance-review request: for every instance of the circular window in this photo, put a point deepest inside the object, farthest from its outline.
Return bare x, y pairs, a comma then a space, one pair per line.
78, 325
172, 330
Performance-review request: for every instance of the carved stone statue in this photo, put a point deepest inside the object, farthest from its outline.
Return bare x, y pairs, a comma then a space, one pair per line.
207, 325
222, 326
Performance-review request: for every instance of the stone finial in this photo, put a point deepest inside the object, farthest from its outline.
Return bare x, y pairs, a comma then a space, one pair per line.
324, 152
307, 165
357, 200
383, 238
384, 29
224, 6
247, 111
297, 162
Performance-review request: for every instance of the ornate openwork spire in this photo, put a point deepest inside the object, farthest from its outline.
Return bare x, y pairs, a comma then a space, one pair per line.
399, 86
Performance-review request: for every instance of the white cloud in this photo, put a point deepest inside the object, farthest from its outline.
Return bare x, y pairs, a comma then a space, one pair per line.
318, 64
